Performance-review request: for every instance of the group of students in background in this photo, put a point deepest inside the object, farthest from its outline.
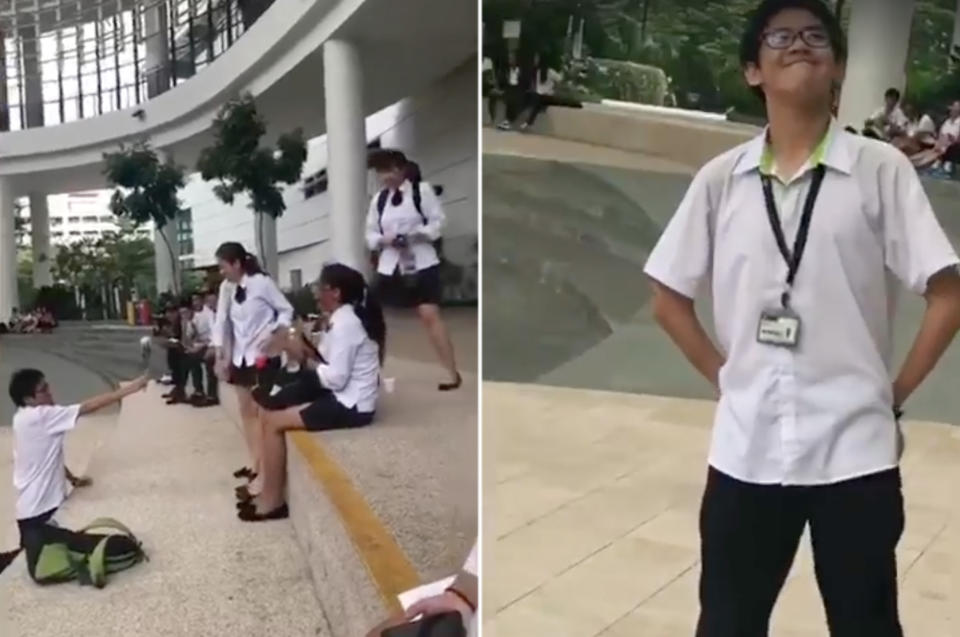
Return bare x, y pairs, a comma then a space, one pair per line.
916, 135
522, 88
40, 320
186, 331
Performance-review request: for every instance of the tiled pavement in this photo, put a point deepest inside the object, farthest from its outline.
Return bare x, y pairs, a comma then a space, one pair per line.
590, 514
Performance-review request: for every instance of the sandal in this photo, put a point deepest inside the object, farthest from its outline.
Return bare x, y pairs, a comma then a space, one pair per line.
451, 386
249, 514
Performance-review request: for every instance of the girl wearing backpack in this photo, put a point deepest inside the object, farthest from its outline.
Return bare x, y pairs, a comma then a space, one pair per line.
403, 231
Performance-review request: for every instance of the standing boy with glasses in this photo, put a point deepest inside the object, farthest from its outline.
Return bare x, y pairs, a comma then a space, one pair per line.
797, 231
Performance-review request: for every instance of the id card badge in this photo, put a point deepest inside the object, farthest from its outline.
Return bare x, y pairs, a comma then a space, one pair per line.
780, 328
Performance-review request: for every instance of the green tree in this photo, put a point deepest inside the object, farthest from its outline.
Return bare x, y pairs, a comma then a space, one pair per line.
147, 190
240, 165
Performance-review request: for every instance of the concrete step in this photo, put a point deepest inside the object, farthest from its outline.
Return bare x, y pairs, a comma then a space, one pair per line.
381, 509
165, 472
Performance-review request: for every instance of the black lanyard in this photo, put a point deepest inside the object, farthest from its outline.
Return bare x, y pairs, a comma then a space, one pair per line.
792, 257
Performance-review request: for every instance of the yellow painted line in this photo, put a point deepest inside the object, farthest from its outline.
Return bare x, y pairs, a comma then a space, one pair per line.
391, 569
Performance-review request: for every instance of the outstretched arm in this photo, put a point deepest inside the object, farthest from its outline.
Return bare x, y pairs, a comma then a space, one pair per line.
105, 400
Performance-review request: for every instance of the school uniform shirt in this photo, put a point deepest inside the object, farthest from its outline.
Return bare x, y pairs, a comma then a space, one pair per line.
548, 86
951, 129
923, 125
896, 117
404, 219
513, 76
251, 323
352, 368
38, 463
222, 330
822, 412
203, 324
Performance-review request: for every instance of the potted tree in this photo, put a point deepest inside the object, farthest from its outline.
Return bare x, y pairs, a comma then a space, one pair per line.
147, 190
242, 166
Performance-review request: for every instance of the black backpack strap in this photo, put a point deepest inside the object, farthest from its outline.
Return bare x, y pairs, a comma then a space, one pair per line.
381, 204
417, 199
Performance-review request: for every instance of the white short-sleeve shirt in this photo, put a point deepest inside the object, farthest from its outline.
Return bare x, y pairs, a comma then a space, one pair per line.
38, 463
820, 413
951, 128
405, 219
352, 367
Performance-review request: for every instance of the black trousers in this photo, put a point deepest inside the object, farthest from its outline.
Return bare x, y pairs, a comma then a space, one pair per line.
749, 536
184, 366
200, 365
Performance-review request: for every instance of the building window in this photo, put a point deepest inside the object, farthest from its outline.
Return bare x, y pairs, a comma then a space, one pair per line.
75, 233
56, 221
296, 279
74, 220
106, 219
90, 219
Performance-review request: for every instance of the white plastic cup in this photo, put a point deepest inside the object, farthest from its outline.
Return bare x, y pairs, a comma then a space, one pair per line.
389, 384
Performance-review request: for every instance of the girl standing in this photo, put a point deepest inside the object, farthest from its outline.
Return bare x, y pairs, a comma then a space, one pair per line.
404, 226
254, 309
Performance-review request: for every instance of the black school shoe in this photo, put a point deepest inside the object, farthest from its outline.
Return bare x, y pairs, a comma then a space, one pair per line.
249, 514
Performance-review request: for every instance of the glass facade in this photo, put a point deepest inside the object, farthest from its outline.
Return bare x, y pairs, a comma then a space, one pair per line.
64, 60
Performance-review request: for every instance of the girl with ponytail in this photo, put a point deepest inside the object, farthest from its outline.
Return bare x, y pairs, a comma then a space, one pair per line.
404, 228
340, 386
251, 309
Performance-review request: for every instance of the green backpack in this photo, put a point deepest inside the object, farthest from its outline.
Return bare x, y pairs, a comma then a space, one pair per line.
57, 555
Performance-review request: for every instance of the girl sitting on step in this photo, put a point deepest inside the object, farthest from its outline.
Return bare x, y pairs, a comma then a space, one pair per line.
338, 389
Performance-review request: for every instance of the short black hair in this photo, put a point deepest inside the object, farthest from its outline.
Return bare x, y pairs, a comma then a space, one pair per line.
24, 384
892, 92
760, 17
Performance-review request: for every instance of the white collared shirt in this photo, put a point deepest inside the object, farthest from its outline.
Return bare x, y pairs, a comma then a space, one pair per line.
38, 462
821, 413
203, 322
951, 129
404, 219
352, 368
250, 324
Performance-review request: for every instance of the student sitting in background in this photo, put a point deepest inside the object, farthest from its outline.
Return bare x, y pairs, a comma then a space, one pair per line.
920, 131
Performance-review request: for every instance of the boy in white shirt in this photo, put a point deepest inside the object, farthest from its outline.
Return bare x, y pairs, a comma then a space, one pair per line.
39, 471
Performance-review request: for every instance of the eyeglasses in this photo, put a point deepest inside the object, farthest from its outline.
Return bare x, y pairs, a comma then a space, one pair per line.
814, 37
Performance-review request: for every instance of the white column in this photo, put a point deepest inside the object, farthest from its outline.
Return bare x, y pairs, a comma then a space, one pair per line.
346, 151
40, 240
879, 38
156, 63
265, 238
8, 253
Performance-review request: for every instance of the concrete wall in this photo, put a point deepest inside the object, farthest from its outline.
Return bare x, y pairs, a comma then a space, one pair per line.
437, 129
675, 138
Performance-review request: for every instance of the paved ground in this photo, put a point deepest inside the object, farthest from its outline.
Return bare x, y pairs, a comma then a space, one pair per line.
417, 469
165, 472
590, 519
591, 482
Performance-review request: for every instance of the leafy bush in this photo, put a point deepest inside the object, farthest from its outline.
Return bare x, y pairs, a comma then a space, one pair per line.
595, 79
